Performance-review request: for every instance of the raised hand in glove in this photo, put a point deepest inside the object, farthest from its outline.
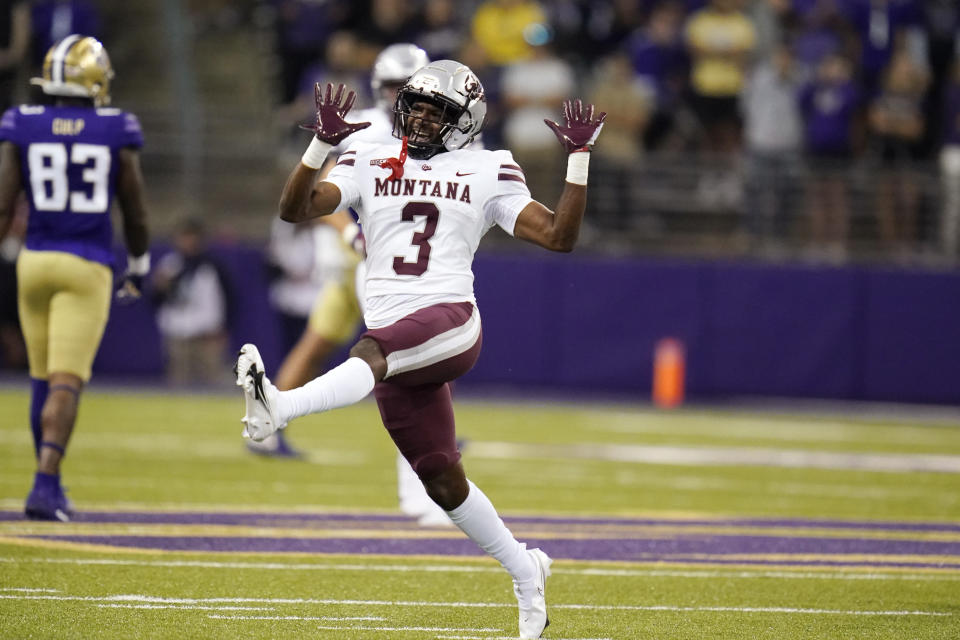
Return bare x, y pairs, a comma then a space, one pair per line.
581, 129
330, 126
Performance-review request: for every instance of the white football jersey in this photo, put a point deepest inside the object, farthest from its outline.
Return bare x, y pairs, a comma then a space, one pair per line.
423, 229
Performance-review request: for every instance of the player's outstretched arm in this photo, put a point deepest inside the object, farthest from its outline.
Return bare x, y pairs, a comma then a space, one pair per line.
9, 184
303, 197
558, 230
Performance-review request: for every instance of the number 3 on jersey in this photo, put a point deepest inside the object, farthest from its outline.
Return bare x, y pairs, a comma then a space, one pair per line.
421, 239
50, 183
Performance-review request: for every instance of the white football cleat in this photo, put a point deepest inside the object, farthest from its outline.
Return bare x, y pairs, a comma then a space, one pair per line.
262, 418
531, 597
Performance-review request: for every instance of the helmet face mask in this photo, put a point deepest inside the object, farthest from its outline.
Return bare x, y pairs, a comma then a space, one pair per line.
77, 67
425, 121
458, 102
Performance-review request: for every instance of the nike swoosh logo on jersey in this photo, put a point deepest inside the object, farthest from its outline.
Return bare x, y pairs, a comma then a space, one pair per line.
460, 175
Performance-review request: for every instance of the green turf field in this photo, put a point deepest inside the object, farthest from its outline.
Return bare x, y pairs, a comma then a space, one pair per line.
683, 524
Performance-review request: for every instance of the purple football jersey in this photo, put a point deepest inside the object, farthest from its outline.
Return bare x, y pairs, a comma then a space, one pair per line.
69, 158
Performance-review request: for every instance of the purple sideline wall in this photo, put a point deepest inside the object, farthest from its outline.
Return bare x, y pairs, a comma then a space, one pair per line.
589, 324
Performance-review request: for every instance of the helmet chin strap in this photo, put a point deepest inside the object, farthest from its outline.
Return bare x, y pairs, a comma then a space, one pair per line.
396, 164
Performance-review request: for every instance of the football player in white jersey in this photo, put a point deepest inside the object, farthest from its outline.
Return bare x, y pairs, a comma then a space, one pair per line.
424, 203
336, 314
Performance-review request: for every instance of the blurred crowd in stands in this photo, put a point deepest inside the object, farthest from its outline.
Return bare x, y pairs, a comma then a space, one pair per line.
805, 116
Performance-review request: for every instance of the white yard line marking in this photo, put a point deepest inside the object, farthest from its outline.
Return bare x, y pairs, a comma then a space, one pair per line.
747, 574
29, 590
355, 627
505, 638
139, 598
307, 618
769, 427
722, 456
667, 607
361, 628
183, 607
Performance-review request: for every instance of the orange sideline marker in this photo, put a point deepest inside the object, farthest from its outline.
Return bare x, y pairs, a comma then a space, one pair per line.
669, 372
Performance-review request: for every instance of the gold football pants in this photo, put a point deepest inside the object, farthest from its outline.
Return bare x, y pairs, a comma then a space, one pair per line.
64, 302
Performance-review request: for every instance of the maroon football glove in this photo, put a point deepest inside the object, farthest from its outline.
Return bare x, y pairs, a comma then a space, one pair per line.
581, 129
330, 126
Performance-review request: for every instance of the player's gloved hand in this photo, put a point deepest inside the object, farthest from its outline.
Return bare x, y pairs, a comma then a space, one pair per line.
580, 128
330, 126
130, 287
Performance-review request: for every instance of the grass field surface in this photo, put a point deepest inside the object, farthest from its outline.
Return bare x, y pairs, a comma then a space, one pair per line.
690, 523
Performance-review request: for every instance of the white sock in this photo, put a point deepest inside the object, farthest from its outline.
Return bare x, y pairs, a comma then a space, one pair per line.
477, 518
344, 385
413, 497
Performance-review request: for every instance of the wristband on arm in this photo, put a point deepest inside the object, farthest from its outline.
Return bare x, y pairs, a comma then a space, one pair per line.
578, 164
316, 153
138, 265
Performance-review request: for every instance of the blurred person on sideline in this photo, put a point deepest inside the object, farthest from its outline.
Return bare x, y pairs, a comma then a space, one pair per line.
14, 46
13, 352
380, 23
191, 293
896, 129
830, 105
424, 202
629, 103
301, 29
499, 27
816, 29
720, 39
71, 158
659, 61
773, 139
884, 29
950, 166
588, 31
294, 279
443, 30
531, 89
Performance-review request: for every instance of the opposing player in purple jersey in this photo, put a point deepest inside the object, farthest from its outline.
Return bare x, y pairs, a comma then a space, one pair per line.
71, 158
424, 202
